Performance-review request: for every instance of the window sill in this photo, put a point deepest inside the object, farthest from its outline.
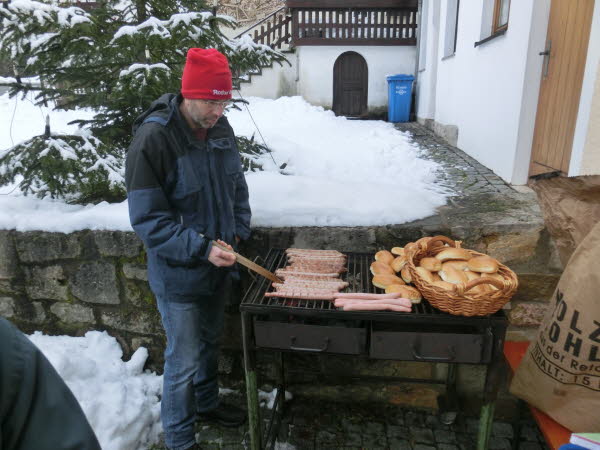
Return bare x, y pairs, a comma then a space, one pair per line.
491, 37
451, 55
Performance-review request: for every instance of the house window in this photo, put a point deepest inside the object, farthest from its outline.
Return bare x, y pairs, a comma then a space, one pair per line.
451, 27
501, 10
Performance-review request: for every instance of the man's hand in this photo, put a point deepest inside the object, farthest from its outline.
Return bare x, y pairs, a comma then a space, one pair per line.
221, 258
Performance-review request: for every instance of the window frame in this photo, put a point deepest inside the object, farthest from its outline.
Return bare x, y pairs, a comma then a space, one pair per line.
496, 27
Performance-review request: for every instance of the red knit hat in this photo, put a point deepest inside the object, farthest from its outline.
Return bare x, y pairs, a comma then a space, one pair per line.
206, 75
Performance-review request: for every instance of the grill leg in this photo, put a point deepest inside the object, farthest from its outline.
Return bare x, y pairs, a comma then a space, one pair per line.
448, 402
494, 377
251, 384
485, 425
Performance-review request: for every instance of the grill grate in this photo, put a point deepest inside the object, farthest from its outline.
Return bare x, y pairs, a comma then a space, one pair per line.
357, 275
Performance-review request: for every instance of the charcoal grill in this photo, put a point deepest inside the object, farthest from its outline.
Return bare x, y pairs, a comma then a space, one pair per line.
317, 326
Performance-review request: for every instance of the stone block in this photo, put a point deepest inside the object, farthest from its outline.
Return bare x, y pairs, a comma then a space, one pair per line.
118, 243
46, 283
445, 436
502, 429
135, 272
96, 282
138, 322
33, 312
499, 443
133, 293
7, 307
528, 314
138, 342
536, 287
344, 239
70, 313
513, 247
41, 246
421, 435
515, 333
8, 256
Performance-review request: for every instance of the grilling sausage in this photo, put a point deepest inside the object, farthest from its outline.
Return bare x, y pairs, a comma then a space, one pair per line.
364, 295
370, 306
389, 301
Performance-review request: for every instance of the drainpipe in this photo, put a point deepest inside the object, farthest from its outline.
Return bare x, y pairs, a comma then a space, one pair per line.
420, 26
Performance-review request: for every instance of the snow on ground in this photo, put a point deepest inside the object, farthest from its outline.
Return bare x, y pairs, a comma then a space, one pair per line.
119, 399
342, 172
339, 172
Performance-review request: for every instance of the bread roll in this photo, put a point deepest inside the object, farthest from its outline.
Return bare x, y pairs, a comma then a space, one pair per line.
496, 275
471, 275
431, 264
405, 274
424, 274
453, 253
483, 264
457, 264
384, 280
378, 268
408, 292
452, 275
410, 247
436, 277
398, 263
384, 256
399, 251
443, 285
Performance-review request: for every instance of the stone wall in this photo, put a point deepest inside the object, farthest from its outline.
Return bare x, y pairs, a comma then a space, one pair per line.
96, 280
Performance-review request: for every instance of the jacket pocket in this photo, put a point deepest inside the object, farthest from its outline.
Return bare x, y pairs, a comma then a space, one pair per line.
189, 281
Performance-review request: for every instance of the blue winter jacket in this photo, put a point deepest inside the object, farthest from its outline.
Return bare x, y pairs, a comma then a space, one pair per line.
183, 193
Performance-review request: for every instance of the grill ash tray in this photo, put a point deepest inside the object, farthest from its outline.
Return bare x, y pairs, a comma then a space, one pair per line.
430, 343
311, 334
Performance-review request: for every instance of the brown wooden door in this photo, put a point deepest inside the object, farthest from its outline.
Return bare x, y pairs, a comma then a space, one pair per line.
562, 75
350, 80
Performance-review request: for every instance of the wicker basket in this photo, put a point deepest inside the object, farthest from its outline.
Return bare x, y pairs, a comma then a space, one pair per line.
461, 301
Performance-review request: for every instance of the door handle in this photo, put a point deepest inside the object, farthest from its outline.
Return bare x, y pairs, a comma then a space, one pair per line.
546, 54
308, 349
419, 357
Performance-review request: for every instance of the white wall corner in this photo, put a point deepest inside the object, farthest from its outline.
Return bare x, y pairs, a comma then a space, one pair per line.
540, 14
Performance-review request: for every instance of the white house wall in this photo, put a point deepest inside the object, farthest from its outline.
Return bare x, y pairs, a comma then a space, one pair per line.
585, 158
486, 94
311, 73
480, 89
315, 82
426, 86
274, 82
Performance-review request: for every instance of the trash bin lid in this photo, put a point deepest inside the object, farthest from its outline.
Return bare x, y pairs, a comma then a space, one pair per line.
400, 77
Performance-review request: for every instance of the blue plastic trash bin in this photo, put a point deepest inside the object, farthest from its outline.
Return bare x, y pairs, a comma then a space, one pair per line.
399, 97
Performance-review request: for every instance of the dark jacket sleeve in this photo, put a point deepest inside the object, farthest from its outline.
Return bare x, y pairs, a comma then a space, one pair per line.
241, 209
147, 167
37, 409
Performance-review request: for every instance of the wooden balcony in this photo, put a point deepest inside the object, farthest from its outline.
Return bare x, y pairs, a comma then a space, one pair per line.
354, 22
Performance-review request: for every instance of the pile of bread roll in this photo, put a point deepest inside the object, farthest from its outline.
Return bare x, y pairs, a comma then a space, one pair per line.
386, 268
447, 268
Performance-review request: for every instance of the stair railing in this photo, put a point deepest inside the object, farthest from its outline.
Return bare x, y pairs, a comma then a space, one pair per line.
275, 29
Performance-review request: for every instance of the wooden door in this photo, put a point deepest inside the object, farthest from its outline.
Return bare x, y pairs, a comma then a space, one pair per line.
560, 89
350, 85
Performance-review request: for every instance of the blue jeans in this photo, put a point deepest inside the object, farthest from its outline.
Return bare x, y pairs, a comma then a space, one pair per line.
190, 383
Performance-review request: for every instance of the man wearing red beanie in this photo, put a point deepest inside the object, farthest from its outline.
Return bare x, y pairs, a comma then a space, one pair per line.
186, 188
